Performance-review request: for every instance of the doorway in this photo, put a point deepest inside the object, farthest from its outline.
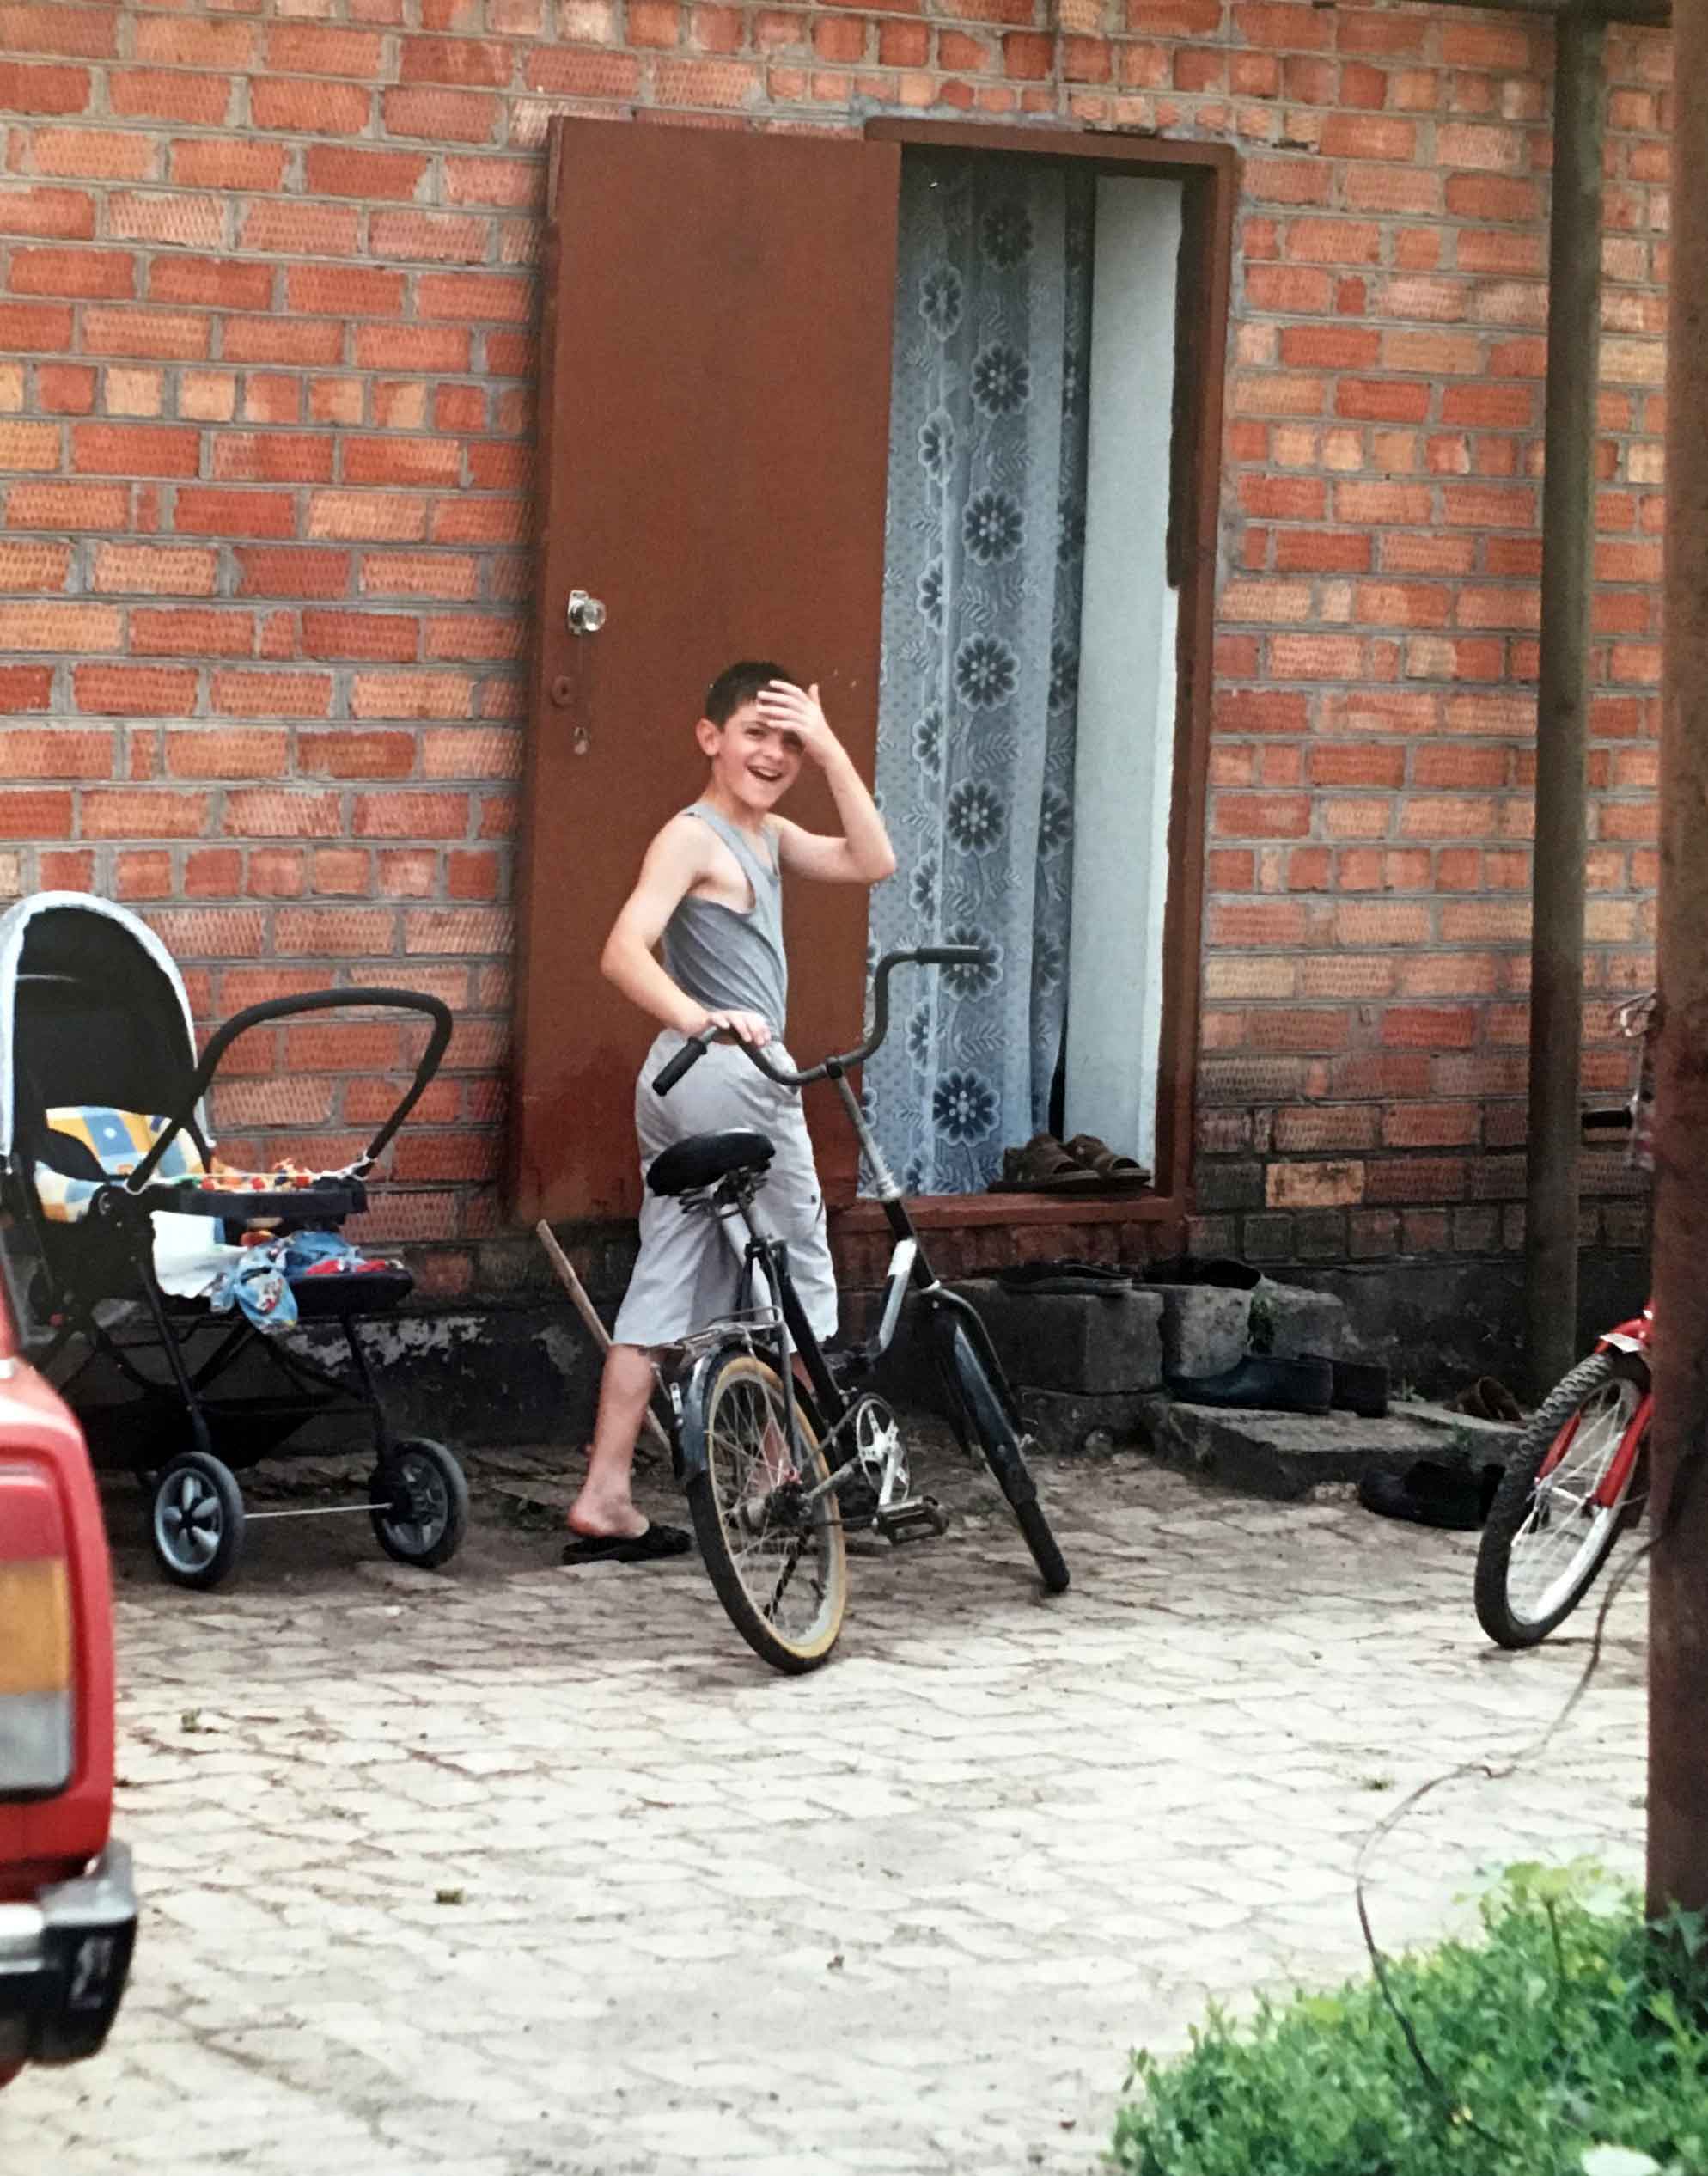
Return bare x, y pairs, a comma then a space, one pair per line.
1028, 688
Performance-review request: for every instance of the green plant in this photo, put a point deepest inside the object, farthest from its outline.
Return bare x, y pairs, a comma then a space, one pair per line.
1572, 2040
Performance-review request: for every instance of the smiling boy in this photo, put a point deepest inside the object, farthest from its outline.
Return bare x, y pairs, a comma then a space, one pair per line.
708, 904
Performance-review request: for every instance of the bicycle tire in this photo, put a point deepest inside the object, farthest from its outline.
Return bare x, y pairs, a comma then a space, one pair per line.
742, 1393
1525, 1503
1000, 1443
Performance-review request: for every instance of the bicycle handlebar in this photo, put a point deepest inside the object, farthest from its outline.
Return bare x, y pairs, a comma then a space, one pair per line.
921, 955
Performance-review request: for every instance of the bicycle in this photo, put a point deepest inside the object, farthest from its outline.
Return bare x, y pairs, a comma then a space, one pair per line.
1576, 1479
775, 1471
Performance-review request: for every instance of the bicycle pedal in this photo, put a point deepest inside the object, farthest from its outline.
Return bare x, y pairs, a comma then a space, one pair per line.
912, 1520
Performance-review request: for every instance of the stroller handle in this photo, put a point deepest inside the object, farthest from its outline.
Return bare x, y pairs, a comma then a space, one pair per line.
255, 1016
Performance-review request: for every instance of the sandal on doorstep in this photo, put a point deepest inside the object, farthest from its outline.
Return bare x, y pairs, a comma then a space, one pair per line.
1044, 1166
652, 1543
1115, 1172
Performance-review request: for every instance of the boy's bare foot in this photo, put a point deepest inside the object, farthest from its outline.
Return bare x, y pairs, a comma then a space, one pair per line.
596, 1517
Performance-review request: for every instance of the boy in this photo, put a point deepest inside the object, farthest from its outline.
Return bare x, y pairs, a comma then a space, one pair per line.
710, 899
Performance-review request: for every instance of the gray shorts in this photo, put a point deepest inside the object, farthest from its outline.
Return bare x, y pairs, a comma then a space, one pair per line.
689, 1273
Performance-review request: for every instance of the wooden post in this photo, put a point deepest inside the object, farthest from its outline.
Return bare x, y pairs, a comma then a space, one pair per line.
1678, 1636
1563, 702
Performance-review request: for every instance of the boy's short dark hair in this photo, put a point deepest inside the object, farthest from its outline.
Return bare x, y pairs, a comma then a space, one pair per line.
739, 684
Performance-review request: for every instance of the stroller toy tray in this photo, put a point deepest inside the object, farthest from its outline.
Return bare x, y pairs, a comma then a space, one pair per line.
322, 1203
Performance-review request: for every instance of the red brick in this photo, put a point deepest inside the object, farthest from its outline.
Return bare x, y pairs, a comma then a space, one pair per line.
1321, 551
163, 335
281, 339
38, 328
167, 94
402, 461
29, 445
1488, 196
271, 694
339, 170
366, 517
413, 347
150, 691
713, 83
219, 752
147, 570
24, 688
56, 752
65, 214
561, 71
226, 162
373, 637
35, 815
313, 108
25, 90
312, 49
187, 631
483, 62
179, 222
100, 154
1292, 181
217, 282
357, 755
82, 33
475, 635
134, 450
279, 573
201, 512
441, 116
56, 505
1363, 135
290, 229
462, 296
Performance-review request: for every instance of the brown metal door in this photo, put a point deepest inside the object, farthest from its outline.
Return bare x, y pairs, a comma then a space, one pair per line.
715, 424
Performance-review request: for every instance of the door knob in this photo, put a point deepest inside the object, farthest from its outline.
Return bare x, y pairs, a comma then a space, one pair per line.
585, 613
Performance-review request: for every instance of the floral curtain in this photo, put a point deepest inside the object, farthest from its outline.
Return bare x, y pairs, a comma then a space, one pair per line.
984, 548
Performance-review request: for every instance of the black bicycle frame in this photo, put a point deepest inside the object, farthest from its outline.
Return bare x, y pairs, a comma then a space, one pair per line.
909, 1268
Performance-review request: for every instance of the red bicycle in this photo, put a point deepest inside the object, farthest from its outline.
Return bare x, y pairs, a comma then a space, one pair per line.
1578, 1476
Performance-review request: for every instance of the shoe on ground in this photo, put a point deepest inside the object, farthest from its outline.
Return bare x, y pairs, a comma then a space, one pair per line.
1261, 1384
1427, 1494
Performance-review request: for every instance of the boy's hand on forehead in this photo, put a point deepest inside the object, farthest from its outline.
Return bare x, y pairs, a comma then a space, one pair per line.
789, 709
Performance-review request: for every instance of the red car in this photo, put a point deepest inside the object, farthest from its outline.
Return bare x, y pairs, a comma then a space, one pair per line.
67, 1912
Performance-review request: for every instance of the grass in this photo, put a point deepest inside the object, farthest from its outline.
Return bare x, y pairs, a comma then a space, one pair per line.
1571, 2040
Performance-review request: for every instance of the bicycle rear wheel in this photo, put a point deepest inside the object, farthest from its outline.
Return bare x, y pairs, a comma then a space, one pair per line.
777, 1562
1546, 1537
999, 1440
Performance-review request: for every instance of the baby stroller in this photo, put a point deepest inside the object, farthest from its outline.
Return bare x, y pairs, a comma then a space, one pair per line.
147, 1249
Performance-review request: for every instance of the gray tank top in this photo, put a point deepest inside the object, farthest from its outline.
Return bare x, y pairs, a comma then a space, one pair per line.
726, 960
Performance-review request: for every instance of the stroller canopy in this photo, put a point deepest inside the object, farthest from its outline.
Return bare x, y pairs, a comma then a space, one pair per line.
93, 1010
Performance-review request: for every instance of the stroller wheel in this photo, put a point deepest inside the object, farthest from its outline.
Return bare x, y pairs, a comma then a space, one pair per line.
196, 1524
421, 1505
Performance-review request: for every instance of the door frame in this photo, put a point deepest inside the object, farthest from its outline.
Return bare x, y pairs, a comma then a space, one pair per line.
1211, 174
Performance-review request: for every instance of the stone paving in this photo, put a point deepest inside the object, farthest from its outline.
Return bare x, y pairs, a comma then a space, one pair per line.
510, 1870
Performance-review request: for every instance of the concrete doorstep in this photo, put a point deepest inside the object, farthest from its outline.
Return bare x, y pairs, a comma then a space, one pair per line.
1089, 1371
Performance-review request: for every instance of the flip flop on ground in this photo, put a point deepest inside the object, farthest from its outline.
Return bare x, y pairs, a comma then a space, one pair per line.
648, 1547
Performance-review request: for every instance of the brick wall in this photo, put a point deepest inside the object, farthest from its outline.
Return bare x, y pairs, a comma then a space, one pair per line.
267, 389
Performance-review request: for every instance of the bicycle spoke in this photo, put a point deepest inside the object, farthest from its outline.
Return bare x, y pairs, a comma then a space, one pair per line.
1564, 1525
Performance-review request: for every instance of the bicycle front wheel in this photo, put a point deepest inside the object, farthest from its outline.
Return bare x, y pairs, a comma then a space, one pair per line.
775, 1551
1547, 1534
1000, 1442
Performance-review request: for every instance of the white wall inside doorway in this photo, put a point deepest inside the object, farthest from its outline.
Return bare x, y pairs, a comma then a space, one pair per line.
1124, 761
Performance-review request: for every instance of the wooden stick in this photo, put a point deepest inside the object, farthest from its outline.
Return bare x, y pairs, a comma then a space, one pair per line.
584, 1307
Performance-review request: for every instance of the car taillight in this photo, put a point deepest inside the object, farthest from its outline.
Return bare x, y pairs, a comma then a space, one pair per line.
36, 1722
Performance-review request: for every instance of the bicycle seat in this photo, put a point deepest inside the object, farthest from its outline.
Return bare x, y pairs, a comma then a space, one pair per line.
703, 1159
